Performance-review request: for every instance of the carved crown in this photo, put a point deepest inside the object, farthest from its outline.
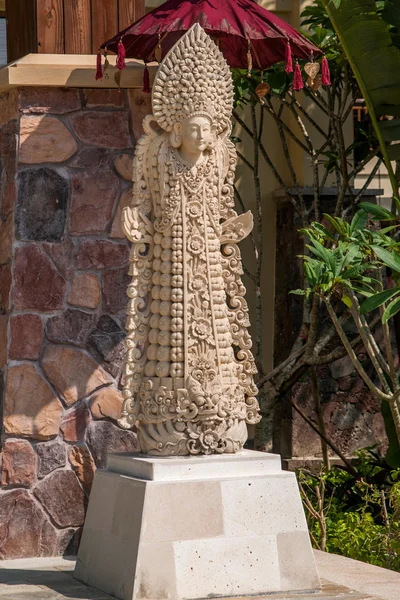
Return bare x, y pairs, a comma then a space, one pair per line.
193, 79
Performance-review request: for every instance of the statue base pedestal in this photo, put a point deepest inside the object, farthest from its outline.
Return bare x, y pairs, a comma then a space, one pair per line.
195, 527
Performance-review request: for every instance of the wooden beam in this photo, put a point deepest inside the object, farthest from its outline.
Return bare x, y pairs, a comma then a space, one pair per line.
50, 26
21, 33
78, 35
104, 21
129, 11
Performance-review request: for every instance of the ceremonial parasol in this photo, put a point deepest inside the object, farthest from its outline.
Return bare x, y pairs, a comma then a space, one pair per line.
248, 35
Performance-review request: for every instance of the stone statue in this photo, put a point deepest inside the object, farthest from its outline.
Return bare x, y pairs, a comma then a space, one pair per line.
189, 369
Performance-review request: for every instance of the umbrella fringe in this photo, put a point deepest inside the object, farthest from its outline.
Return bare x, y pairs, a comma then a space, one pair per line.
326, 74
289, 59
99, 69
298, 83
146, 80
121, 64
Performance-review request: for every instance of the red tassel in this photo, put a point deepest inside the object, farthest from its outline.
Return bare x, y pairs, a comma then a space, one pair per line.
326, 74
298, 82
99, 69
121, 64
146, 80
289, 59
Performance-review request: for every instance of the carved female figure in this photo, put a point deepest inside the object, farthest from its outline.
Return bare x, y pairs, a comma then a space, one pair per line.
189, 368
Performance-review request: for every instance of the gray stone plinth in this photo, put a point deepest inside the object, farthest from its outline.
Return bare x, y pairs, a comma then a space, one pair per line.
190, 528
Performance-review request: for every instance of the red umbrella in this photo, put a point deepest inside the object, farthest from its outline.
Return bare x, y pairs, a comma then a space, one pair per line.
246, 33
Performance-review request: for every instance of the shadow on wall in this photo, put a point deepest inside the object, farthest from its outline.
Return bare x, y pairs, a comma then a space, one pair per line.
62, 319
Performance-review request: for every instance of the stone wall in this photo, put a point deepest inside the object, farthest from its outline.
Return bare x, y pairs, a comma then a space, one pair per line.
66, 159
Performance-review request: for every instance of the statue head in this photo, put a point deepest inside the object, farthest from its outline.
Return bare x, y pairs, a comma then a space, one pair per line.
193, 92
193, 136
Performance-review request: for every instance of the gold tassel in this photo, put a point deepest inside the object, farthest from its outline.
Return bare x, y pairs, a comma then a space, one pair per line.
158, 50
249, 60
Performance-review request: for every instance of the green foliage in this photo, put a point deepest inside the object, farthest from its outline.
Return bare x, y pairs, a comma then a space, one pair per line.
358, 516
349, 256
369, 35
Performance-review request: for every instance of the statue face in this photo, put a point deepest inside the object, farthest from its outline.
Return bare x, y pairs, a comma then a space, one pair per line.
196, 135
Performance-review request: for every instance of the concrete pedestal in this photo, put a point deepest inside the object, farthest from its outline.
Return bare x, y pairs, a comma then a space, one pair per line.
188, 528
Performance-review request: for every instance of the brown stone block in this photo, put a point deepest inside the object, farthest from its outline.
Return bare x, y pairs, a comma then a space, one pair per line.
45, 140
71, 327
85, 291
106, 344
3, 340
26, 337
140, 105
56, 101
98, 254
89, 158
116, 228
5, 287
52, 455
6, 238
92, 202
107, 403
83, 464
115, 284
63, 498
19, 463
111, 98
74, 374
8, 153
62, 255
9, 106
25, 531
104, 437
37, 283
124, 166
104, 129
74, 423
30, 409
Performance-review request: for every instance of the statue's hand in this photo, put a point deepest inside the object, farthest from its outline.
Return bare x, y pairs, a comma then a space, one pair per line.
136, 225
236, 229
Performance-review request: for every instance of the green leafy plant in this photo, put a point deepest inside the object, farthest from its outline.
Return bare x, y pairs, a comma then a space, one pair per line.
355, 514
344, 270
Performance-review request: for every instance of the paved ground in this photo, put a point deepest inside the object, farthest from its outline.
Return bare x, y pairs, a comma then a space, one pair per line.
51, 579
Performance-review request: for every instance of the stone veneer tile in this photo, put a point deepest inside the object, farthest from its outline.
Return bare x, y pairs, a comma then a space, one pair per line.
83, 464
37, 283
71, 327
42, 205
52, 455
85, 291
9, 107
63, 498
30, 409
92, 201
49, 100
6, 238
45, 140
74, 424
26, 337
104, 437
3, 340
73, 374
115, 284
103, 128
98, 254
26, 532
5, 287
111, 98
106, 344
124, 201
107, 403
19, 463
140, 105
124, 166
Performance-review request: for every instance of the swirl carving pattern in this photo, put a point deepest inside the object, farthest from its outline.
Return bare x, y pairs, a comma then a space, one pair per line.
189, 368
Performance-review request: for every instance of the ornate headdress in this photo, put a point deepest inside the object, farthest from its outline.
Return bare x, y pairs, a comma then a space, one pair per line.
193, 79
